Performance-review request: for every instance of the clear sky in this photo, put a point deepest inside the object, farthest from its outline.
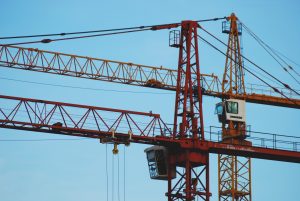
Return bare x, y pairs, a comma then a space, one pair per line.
75, 170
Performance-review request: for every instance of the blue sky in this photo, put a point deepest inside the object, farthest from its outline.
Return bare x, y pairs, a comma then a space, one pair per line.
75, 170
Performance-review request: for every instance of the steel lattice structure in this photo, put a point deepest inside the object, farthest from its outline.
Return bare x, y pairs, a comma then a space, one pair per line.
234, 176
234, 181
188, 147
31, 59
188, 122
24, 114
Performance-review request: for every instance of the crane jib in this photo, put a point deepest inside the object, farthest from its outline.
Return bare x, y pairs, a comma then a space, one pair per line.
127, 73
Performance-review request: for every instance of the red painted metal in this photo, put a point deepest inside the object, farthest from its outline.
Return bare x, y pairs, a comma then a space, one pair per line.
187, 146
96, 122
188, 102
245, 150
78, 120
188, 122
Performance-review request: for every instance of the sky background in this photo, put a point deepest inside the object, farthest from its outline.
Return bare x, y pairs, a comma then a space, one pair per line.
75, 170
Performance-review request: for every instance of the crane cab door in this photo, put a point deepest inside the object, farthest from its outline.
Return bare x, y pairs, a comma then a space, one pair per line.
157, 163
231, 110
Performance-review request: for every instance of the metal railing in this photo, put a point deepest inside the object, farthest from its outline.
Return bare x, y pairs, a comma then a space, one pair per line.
260, 139
265, 90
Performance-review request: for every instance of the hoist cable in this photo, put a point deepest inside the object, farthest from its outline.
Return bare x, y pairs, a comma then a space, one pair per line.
76, 37
257, 72
118, 178
292, 61
106, 172
72, 33
275, 89
124, 172
293, 77
263, 44
271, 52
243, 56
263, 75
102, 30
113, 177
212, 19
81, 88
288, 65
284, 84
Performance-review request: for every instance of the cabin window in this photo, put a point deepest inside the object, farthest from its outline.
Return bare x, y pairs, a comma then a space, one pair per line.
219, 109
232, 107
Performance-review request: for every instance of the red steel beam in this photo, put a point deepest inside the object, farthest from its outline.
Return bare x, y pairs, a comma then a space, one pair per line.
77, 120
194, 184
255, 152
244, 150
98, 122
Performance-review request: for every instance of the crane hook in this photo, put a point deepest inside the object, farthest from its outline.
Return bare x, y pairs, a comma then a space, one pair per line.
115, 149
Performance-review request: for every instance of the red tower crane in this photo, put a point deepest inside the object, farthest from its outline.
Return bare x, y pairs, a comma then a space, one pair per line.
189, 117
186, 147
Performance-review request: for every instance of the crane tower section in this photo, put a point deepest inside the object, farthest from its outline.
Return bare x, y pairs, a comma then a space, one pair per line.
192, 167
234, 173
188, 102
233, 77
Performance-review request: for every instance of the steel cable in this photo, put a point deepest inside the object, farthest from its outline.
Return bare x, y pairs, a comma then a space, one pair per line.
77, 37
275, 89
124, 172
260, 68
100, 31
106, 171
271, 52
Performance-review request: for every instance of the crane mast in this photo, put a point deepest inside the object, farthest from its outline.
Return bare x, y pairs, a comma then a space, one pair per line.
234, 173
188, 101
186, 149
233, 77
194, 182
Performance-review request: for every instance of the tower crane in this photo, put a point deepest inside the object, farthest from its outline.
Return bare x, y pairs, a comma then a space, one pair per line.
184, 147
234, 175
